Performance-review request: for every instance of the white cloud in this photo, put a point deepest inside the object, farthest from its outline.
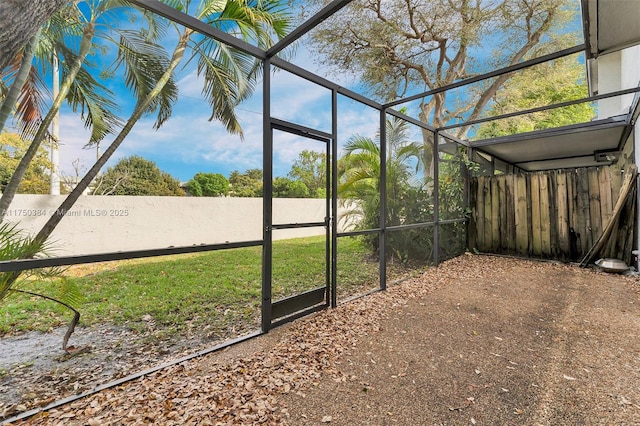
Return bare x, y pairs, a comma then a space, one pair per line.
188, 142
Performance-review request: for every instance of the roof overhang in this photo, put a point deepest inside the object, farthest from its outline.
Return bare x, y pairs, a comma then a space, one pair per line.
610, 25
595, 143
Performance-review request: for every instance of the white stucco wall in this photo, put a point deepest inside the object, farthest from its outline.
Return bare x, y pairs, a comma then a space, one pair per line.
609, 80
99, 224
616, 71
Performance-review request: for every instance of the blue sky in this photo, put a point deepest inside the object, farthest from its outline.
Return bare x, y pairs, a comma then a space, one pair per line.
188, 143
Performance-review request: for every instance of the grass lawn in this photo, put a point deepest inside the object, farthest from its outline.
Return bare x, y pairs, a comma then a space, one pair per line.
218, 291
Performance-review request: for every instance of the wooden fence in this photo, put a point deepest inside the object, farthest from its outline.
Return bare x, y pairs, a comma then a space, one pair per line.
553, 214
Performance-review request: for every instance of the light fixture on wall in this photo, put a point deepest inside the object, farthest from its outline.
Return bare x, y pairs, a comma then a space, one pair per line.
608, 156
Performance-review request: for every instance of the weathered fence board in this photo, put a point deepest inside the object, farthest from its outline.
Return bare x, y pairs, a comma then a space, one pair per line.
555, 214
536, 228
495, 213
522, 222
594, 204
583, 229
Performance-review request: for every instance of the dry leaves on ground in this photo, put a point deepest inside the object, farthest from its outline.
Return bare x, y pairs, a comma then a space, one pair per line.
250, 388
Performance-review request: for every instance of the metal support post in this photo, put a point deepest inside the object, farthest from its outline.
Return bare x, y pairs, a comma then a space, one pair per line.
436, 201
382, 249
334, 198
267, 201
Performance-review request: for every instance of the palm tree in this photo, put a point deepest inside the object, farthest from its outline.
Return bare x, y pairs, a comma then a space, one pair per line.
22, 68
360, 181
82, 91
360, 169
229, 75
20, 23
74, 24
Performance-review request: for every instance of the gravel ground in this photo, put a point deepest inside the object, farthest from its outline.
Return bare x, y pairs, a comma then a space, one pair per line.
480, 340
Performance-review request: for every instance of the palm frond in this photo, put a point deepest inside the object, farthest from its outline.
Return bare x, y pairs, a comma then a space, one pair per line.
94, 101
212, 9
230, 76
68, 292
31, 103
144, 64
15, 245
31, 100
362, 144
227, 80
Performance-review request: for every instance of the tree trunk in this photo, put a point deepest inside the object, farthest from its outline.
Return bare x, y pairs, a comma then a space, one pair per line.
12, 187
20, 79
139, 110
20, 21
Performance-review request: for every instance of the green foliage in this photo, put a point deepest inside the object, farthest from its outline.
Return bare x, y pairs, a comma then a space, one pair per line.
50, 284
14, 245
36, 178
546, 84
287, 188
451, 178
137, 176
408, 198
310, 168
409, 193
247, 184
208, 185
399, 47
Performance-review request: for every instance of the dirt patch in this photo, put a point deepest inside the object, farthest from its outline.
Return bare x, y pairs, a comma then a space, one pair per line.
479, 340
35, 371
505, 342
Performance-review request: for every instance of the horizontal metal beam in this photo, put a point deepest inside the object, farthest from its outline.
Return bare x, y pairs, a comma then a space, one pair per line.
307, 26
496, 73
300, 225
425, 224
24, 264
314, 78
199, 26
410, 226
564, 157
297, 129
450, 221
574, 128
410, 119
357, 233
544, 108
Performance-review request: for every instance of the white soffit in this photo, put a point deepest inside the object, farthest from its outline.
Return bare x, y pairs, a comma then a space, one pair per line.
565, 147
613, 25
